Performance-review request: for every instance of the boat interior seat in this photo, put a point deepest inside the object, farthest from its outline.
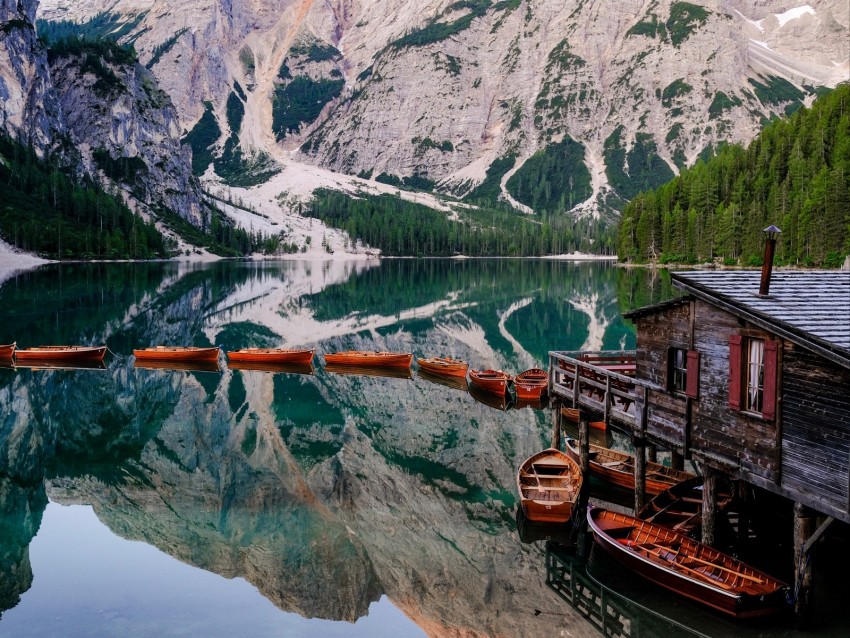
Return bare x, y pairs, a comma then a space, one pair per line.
619, 531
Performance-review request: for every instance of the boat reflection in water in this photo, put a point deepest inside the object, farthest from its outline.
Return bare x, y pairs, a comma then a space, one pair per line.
370, 371
534, 404
498, 401
456, 383
287, 368
564, 534
178, 366
35, 364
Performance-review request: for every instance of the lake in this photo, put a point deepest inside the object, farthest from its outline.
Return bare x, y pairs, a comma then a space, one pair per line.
157, 502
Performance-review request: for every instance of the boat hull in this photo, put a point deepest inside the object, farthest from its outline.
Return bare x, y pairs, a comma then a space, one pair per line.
490, 381
161, 353
370, 359
271, 355
61, 353
549, 483
443, 366
7, 351
532, 384
648, 550
618, 469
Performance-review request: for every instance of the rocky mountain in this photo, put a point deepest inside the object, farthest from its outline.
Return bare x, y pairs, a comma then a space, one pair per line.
566, 104
97, 110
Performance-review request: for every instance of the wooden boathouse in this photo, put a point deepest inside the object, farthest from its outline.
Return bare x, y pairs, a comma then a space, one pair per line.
747, 374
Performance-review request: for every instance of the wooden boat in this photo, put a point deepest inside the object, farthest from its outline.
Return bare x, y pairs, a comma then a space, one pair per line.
548, 483
492, 381
7, 352
618, 468
287, 368
177, 353
61, 353
456, 383
685, 566
443, 365
680, 507
370, 358
531, 384
271, 355
389, 372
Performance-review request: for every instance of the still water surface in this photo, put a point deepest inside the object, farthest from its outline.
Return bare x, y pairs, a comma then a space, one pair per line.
139, 502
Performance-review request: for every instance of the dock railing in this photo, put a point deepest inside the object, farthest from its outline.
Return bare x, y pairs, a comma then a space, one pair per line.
600, 381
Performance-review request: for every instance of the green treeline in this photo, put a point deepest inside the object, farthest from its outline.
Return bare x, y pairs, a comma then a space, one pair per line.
399, 227
795, 174
45, 211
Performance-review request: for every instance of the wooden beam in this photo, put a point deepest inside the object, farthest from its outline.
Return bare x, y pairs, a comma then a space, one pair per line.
709, 505
818, 533
803, 525
640, 477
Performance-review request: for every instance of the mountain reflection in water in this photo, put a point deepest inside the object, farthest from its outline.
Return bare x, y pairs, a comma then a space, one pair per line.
327, 492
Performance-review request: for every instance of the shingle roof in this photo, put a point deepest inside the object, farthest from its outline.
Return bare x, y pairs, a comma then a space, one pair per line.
809, 307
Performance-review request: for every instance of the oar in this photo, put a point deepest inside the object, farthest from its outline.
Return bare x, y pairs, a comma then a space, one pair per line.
662, 510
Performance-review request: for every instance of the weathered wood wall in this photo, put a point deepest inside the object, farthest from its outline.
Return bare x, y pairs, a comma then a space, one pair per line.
815, 426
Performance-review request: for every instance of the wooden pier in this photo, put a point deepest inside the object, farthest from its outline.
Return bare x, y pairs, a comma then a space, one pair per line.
751, 386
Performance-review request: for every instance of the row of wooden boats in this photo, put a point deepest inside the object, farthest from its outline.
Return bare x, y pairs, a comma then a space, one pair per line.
529, 385
656, 543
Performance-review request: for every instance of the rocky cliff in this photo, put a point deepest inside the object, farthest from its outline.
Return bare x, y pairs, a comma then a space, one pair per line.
100, 110
29, 106
442, 92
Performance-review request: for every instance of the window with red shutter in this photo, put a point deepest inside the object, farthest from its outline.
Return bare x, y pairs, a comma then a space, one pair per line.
771, 350
735, 372
692, 389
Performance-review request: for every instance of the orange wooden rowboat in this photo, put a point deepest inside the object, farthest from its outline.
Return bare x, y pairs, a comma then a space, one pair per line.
61, 353
370, 358
6, 352
271, 355
618, 468
443, 365
531, 384
549, 483
177, 353
686, 567
492, 381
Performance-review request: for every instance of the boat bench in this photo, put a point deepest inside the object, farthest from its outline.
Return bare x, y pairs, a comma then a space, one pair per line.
618, 532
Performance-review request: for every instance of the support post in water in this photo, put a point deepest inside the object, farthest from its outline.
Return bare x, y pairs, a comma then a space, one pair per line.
583, 441
709, 505
640, 474
556, 427
804, 526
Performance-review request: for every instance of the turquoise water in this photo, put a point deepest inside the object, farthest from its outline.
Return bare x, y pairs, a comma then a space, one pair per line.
156, 502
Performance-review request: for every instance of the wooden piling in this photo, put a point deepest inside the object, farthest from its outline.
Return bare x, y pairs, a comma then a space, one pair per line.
652, 453
709, 505
804, 526
584, 442
677, 461
640, 474
556, 427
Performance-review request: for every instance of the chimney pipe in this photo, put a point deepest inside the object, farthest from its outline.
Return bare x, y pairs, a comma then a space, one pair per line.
772, 233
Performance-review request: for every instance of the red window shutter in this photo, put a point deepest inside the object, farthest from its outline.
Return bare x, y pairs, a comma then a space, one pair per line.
771, 348
735, 372
692, 389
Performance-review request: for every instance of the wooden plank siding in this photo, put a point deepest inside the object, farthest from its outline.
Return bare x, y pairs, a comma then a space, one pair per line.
816, 426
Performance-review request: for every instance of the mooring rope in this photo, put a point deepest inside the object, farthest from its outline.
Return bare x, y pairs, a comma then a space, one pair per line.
117, 356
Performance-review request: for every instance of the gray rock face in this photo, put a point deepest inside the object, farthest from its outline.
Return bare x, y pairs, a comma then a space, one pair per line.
78, 108
29, 108
127, 131
442, 90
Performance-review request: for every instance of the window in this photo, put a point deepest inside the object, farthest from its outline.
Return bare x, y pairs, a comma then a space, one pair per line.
683, 371
755, 375
753, 366
678, 369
